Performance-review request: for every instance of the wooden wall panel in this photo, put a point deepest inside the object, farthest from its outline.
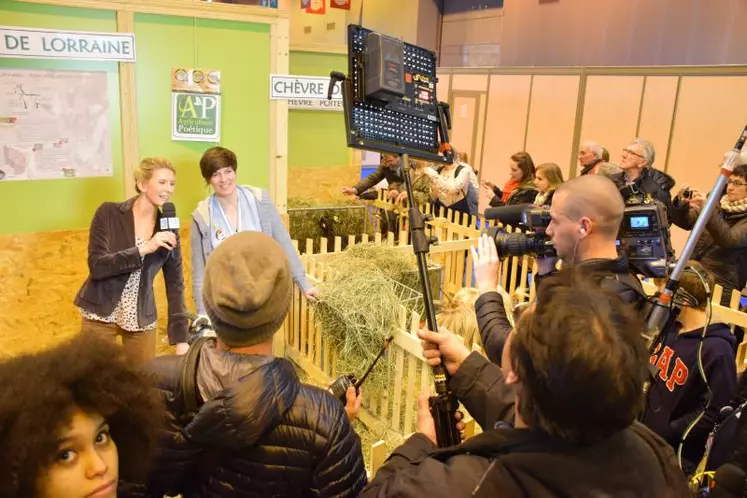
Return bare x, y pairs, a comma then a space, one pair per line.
505, 127
442, 88
464, 114
710, 115
655, 124
469, 82
40, 273
611, 106
552, 117
322, 183
482, 109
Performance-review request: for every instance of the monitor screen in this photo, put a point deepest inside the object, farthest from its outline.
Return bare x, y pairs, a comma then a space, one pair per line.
639, 222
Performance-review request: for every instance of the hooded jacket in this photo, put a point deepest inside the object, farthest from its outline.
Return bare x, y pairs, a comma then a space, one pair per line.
678, 394
259, 432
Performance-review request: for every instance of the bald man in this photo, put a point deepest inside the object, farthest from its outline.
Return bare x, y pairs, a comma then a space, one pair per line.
586, 213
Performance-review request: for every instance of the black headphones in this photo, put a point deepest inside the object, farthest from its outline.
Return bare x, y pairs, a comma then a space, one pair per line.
684, 298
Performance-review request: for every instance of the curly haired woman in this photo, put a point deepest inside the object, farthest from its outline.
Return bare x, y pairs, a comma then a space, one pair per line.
75, 421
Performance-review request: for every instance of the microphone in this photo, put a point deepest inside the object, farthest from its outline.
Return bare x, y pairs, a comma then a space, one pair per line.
729, 482
509, 215
169, 221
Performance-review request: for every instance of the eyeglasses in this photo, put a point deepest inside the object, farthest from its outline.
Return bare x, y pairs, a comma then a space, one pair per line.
633, 152
736, 183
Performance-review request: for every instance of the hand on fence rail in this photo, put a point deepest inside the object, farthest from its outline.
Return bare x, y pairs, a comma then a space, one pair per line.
426, 424
486, 264
312, 294
443, 346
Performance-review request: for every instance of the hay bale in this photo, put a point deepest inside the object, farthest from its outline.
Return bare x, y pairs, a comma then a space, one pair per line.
359, 307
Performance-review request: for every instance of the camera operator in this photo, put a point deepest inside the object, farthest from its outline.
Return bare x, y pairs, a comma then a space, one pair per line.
574, 368
638, 178
722, 248
585, 218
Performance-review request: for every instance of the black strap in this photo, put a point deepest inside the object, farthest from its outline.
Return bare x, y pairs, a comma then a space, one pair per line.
190, 395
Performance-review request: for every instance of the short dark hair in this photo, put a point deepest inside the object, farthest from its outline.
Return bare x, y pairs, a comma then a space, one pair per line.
42, 391
526, 165
581, 358
740, 171
217, 158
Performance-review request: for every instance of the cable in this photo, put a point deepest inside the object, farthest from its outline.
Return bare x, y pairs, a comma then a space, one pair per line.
709, 393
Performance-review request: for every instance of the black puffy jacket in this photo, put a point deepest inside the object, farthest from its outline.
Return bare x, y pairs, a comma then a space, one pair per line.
260, 432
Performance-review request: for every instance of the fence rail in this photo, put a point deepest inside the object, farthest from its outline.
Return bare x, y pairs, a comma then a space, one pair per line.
393, 412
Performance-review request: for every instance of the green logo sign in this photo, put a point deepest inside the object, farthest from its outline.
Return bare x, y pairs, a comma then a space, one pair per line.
195, 117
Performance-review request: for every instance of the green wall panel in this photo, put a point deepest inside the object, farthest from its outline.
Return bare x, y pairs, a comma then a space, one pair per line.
316, 138
241, 51
48, 205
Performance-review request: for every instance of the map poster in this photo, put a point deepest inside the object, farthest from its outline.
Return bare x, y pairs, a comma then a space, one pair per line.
195, 104
54, 124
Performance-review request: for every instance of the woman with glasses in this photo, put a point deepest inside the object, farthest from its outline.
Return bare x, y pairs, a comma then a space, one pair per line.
722, 248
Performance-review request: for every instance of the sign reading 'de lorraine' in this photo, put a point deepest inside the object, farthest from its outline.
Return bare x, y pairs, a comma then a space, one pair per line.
305, 92
48, 44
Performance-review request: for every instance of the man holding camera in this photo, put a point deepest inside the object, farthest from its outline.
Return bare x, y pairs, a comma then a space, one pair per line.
585, 218
575, 367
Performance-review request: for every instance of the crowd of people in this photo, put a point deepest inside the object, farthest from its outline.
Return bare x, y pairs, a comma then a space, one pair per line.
559, 392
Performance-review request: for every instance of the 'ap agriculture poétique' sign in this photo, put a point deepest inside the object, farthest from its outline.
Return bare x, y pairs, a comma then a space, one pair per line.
51, 44
305, 92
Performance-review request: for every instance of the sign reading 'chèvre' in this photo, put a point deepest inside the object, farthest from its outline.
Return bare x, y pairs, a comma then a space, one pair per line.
305, 92
48, 44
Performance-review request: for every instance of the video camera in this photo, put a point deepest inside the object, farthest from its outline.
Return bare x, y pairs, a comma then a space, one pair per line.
644, 238
643, 235
533, 218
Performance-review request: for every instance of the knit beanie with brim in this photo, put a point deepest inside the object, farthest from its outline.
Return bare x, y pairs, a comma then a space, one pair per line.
247, 288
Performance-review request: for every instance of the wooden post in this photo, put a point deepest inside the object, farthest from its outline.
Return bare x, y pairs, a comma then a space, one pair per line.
128, 105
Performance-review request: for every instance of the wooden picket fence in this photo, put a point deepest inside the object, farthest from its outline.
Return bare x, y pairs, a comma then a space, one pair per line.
391, 412
394, 411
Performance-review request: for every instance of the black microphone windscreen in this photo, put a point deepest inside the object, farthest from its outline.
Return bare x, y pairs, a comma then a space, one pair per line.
509, 215
729, 481
168, 210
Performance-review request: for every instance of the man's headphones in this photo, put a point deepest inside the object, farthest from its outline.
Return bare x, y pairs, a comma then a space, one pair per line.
582, 232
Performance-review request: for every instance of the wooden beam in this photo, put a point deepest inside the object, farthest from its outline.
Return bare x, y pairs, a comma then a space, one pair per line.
327, 48
279, 64
128, 108
182, 8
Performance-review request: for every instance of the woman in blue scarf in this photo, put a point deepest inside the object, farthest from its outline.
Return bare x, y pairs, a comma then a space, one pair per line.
232, 209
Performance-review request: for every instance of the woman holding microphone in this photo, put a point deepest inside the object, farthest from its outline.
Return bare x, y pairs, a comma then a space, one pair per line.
232, 209
125, 252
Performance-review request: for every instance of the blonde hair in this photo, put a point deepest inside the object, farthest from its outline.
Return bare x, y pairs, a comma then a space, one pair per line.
553, 173
144, 172
458, 315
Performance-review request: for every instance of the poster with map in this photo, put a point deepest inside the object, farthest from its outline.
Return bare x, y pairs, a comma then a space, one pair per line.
54, 124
